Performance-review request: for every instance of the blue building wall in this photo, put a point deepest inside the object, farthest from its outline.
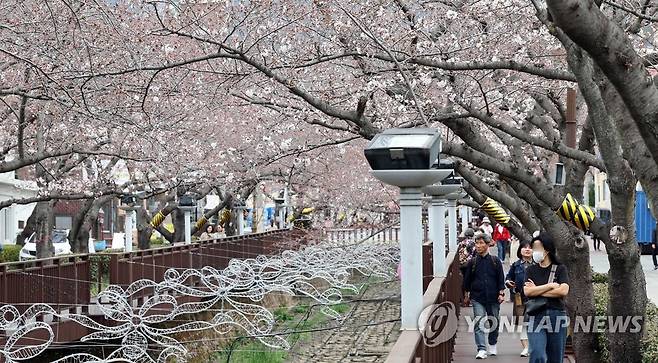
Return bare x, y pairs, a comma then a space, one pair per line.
644, 221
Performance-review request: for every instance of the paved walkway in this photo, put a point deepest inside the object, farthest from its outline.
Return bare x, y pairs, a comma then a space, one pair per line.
509, 345
599, 261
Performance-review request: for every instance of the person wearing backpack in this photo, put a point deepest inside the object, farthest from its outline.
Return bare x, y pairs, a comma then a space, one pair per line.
465, 252
484, 283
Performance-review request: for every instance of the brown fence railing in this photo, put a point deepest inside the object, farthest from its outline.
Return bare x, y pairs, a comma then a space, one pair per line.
71, 281
411, 346
62, 282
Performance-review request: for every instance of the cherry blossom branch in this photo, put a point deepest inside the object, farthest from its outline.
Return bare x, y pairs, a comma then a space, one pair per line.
57, 196
555, 146
639, 15
403, 73
588, 27
548, 73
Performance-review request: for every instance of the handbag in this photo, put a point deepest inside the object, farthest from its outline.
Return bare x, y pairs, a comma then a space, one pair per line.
538, 304
519, 308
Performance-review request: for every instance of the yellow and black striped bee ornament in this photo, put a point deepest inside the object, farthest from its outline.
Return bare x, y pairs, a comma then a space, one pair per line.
224, 216
496, 211
581, 216
568, 208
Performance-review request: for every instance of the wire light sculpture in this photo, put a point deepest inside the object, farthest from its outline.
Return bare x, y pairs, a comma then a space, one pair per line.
232, 294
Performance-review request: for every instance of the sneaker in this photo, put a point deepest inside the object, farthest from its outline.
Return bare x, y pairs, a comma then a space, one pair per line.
655, 267
524, 353
493, 350
482, 354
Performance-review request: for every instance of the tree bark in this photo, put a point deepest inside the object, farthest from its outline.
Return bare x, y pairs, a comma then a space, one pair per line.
627, 278
146, 224
613, 51
77, 227
44, 220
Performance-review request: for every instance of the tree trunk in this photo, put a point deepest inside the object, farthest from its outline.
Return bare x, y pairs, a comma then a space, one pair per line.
178, 217
626, 276
77, 227
626, 282
44, 220
612, 50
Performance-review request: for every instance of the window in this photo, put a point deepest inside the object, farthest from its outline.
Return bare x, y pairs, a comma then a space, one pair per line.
21, 224
559, 174
63, 222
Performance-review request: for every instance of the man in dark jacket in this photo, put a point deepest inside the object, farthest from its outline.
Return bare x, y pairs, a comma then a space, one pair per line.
484, 283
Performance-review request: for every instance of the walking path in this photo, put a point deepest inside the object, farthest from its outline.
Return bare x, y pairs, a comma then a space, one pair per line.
509, 345
599, 262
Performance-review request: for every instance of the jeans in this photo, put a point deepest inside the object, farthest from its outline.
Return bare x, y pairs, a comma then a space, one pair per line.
653, 254
502, 248
547, 336
480, 312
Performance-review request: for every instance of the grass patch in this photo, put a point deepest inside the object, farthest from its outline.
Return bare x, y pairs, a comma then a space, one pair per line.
253, 352
341, 308
281, 314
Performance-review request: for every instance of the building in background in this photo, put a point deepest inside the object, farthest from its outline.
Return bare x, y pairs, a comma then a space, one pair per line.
14, 217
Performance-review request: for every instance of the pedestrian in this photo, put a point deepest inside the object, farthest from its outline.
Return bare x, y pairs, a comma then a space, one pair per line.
486, 226
596, 241
208, 233
547, 284
485, 288
654, 245
219, 232
515, 280
466, 251
502, 236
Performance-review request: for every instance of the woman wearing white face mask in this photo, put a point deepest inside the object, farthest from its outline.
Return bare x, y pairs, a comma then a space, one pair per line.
547, 283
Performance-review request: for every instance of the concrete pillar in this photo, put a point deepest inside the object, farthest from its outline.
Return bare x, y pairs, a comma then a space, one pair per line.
437, 215
411, 255
452, 225
240, 221
188, 227
465, 217
128, 226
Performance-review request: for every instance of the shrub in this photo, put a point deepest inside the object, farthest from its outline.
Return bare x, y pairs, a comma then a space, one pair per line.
281, 314
599, 278
10, 253
650, 338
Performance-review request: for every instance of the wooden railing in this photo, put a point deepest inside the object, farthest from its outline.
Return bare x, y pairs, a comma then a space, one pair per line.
62, 282
66, 282
386, 234
411, 346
